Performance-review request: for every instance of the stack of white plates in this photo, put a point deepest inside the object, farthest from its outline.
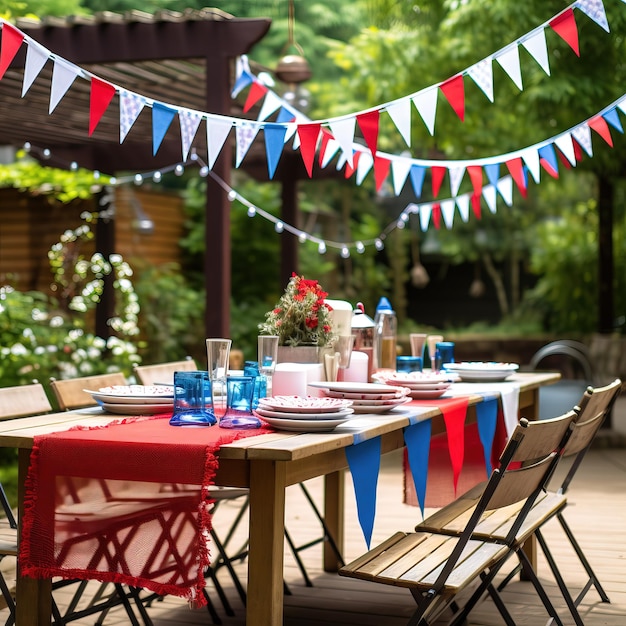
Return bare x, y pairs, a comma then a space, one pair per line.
420, 385
482, 371
304, 413
135, 399
366, 397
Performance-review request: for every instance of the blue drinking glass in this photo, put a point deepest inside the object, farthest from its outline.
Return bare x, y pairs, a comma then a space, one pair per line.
193, 400
409, 364
251, 368
240, 391
446, 352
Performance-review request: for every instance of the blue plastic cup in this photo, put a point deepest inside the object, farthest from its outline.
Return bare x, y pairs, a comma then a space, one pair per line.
193, 400
409, 364
240, 394
446, 352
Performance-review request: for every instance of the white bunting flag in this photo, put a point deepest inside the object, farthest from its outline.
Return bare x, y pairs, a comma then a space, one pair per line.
425, 211
291, 127
530, 156
595, 10
341, 161
489, 194
509, 60
363, 167
505, 189
270, 104
538, 49
343, 132
565, 145
400, 114
245, 133
447, 212
621, 105
189, 122
482, 74
426, 104
36, 57
332, 147
455, 174
131, 106
216, 132
462, 203
63, 75
400, 169
582, 134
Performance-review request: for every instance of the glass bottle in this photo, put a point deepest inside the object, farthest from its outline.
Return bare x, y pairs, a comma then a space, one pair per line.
385, 336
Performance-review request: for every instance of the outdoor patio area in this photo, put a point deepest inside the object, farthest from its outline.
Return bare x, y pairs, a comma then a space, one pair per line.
596, 514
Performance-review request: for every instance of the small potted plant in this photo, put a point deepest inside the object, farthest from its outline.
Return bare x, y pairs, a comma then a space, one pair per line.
301, 319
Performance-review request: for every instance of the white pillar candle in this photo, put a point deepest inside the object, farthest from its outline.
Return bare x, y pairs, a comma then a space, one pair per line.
341, 315
357, 372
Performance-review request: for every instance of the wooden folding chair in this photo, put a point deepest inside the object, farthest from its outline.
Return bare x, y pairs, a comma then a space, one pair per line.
163, 372
71, 394
436, 567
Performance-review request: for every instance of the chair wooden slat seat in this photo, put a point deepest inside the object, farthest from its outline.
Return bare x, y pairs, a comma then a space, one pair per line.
70, 393
162, 372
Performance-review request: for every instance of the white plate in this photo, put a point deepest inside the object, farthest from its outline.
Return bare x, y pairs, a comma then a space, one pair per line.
379, 408
300, 404
413, 378
304, 426
383, 402
400, 392
427, 395
304, 416
349, 387
133, 394
484, 377
483, 372
136, 409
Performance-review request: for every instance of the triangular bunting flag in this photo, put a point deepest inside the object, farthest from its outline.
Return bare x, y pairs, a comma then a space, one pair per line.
425, 213
509, 61
492, 170
242, 81
417, 174
598, 123
245, 134
400, 169
476, 176
549, 160
530, 156
189, 122
566, 162
564, 144
516, 168
271, 103
274, 145
475, 198
578, 152
363, 166
455, 174
482, 74
131, 106
595, 10
381, 171
505, 189
489, 194
447, 212
63, 75
621, 104
368, 123
582, 135
217, 131
257, 91
328, 151
400, 114
436, 174
36, 57
350, 169
326, 139
100, 97
343, 132
426, 104
308, 134
417, 440
11, 41
454, 91
162, 117
538, 49
462, 203
564, 25
284, 116
612, 118
436, 215
292, 131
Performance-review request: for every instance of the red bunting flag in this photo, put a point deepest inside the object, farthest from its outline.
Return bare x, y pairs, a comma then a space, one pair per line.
101, 95
578, 151
546, 166
476, 205
436, 174
11, 41
381, 171
598, 123
516, 169
564, 160
476, 176
368, 123
326, 137
454, 91
350, 169
564, 25
435, 214
257, 91
308, 134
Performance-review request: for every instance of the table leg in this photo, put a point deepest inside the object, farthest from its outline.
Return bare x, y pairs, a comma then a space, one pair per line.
334, 517
265, 557
33, 597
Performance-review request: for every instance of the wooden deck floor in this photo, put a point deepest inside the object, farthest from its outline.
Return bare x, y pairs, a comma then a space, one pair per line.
597, 514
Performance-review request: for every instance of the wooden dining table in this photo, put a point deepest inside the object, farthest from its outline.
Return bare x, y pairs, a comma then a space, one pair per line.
266, 464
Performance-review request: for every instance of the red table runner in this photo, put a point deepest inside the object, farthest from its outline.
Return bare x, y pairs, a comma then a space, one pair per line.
126, 503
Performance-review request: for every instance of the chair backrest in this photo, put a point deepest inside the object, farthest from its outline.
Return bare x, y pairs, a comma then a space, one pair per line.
70, 393
23, 400
162, 372
595, 405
